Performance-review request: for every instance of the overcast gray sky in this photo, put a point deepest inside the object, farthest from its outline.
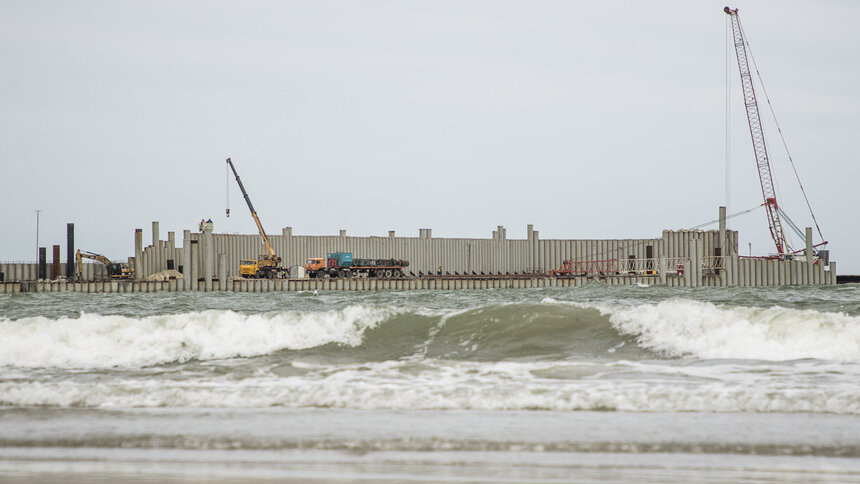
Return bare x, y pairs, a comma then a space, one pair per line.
588, 119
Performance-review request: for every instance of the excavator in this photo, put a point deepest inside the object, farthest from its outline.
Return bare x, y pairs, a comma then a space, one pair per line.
267, 266
115, 270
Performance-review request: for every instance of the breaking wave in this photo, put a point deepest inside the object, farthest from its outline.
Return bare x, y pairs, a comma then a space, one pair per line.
698, 329
668, 356
96, 341
547, 331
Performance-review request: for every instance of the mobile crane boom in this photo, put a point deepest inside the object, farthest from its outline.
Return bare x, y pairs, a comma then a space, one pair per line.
273, 259
757, 134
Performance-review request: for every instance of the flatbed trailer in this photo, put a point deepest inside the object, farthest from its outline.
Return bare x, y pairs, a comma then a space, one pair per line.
342, 264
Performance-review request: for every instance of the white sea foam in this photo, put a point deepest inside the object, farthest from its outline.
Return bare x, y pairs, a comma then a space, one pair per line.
436, 385
683, 327
96, 341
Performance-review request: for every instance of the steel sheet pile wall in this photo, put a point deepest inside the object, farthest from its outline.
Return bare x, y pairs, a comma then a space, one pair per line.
764, 272
496, 255
677, 258
153, 258
29, 271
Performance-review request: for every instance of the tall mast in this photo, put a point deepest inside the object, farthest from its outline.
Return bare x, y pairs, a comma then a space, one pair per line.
757, 134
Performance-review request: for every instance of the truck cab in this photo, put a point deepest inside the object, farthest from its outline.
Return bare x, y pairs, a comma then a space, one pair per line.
314, 264
334, 264
248, 267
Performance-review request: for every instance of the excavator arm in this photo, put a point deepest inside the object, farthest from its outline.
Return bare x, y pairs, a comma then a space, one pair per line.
91, 255
111, 266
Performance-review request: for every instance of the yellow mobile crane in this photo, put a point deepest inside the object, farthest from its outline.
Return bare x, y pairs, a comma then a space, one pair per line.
115, 270
267, 265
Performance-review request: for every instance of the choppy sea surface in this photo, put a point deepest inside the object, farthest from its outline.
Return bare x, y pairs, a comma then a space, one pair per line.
588, 384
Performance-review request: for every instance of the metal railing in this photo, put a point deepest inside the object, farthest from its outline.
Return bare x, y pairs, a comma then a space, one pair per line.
675, 266
588, 267
608, 267
639, 267
713, 264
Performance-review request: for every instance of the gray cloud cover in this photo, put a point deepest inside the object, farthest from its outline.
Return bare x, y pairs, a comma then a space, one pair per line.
587, 119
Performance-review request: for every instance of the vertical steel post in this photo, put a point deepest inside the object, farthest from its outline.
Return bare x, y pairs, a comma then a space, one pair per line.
70, 250
43, 269
138, 254
208, 260
55, 269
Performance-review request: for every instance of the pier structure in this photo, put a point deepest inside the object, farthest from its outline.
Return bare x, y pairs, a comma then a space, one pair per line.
209, 261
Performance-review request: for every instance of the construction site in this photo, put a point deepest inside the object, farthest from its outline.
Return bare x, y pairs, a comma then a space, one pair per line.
207, 261
202, 260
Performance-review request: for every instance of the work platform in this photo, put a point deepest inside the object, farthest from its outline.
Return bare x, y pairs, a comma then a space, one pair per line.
713, 273
679, 258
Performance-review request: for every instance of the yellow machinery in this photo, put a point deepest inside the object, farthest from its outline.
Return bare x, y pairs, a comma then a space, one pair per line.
115, 270
249, 267
261, 267
267, 265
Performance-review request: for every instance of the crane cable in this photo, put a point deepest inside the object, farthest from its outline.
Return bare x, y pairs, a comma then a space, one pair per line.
781, 137
792, 225
727, 217
605, 253
227, 187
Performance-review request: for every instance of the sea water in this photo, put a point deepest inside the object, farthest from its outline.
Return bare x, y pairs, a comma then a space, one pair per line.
588, 384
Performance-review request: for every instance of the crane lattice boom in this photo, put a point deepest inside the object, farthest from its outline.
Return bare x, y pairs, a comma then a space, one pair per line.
759, 146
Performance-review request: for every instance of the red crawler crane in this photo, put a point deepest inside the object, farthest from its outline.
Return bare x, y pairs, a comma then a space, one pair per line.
759, 146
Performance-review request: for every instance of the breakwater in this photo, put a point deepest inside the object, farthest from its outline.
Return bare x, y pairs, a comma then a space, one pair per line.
750, 272
273, 285
688, 258
208, 262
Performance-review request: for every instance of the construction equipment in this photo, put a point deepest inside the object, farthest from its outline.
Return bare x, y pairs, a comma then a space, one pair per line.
115, 270
342, 264
757, 134
774, 211
267, 265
